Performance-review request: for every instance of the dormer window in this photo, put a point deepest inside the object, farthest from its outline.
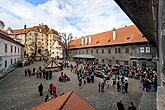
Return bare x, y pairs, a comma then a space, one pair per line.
97, 42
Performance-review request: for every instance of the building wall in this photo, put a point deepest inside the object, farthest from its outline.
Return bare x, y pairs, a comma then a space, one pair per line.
51, 40
56, 50
44, 41
11, 56
117, 54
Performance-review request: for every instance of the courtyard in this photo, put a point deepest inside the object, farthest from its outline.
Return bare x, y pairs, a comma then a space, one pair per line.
21, 93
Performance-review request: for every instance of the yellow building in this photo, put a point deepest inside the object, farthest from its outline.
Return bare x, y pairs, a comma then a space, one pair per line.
37, 39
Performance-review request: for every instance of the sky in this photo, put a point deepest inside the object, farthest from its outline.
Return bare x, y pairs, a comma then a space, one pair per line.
79, 17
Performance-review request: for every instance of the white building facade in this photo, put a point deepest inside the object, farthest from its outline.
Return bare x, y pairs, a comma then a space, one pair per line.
57, 51
10, 52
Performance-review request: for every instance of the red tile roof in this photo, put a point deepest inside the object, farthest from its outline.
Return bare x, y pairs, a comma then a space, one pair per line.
52, 31
68, 101
124, 35
41, 28
5, 36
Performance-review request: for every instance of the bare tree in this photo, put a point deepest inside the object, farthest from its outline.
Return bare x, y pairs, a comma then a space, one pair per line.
66, 43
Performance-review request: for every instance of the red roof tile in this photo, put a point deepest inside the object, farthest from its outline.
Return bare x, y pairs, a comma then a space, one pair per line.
68, 101
125, 35
52, 31
41, 28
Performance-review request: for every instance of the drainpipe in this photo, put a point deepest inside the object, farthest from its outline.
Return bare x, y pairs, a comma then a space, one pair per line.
159, 27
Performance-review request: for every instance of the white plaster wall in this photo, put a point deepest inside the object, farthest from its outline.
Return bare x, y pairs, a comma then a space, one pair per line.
8, 56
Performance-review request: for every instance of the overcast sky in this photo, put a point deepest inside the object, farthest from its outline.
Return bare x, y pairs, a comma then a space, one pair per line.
79, 17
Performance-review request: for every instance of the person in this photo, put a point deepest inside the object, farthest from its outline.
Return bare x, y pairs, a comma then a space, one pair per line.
99, 86
50, 75
40, 74
61, 78
66, 78
118, 86
120, 105
114, 82
29, 72
126, 86
54, 90
25, 72
40, 89
46, 74
102, 86
131, 106
50, 88
33, 71
46, 98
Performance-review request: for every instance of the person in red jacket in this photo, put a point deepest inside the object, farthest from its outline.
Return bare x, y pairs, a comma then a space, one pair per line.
54, 89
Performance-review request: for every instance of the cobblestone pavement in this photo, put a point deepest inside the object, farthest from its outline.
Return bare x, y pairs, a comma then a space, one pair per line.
20, 93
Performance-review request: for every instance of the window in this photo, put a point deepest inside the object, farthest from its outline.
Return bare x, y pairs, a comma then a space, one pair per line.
110, 61
102, 50
11, 61
15, 60
52, 52
97, 51
79, 52
119, 50
15, 49
126, 62
5, 63
117, 61
91, 51
42, 39
141, 49
83, 52
35, 34
109, 50
87, 51
5, 48
115, 50
102, 60
11, 49
148, 49
57, 52
18, 50
127, 50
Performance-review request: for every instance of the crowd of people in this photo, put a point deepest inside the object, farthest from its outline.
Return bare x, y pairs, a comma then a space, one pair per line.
40, 73
51, 91
86, 72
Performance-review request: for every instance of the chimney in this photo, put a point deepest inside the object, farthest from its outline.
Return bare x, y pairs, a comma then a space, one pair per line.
82, 40
25, 26
89, 39
86, 39
114, 34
